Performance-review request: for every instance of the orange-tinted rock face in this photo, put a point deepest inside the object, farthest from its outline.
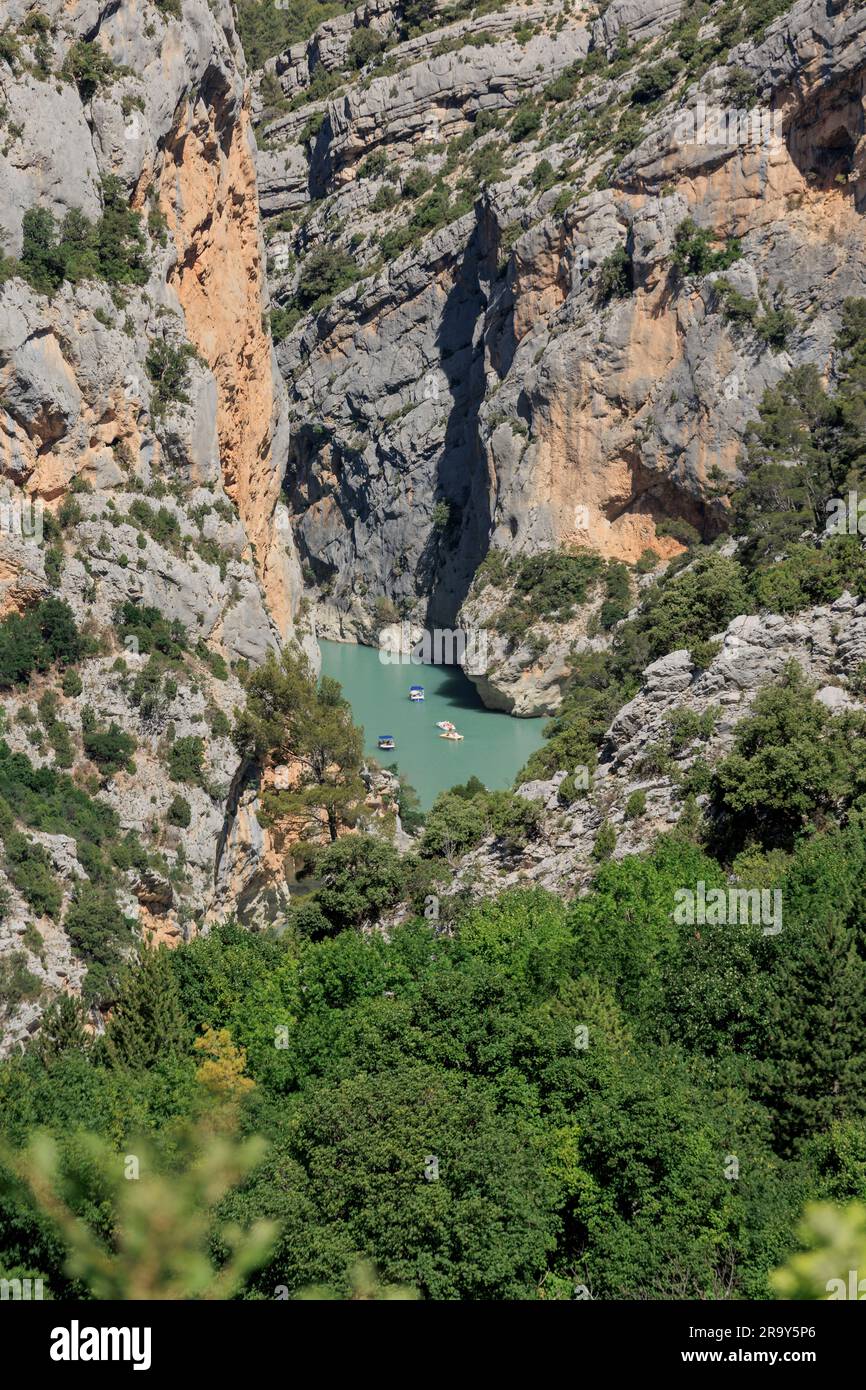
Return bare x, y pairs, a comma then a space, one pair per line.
611, 450
208, 194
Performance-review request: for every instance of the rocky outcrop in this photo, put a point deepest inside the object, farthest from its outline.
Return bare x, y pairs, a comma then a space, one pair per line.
539, 365
208, 195
140, 403
387, 434
828, 644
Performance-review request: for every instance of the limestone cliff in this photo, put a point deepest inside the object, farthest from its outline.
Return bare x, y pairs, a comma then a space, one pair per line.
141, 406
528, 360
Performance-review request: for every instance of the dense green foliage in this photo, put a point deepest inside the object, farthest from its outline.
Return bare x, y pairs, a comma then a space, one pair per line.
112, 249
552, 1096
488, 1098
150, 629
615, 275
547, 585
108, 746
41, 637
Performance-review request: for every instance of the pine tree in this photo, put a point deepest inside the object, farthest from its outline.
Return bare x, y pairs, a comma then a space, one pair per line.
149, 1022
292, 720
62, 1029
817, 1025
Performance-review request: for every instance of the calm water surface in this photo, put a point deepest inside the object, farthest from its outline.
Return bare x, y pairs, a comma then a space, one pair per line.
495, 746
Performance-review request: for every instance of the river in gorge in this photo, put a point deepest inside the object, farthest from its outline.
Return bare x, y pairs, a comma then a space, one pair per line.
494, 748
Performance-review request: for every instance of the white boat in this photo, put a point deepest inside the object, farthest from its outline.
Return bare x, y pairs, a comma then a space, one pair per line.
416, 693
446, 725
453, 735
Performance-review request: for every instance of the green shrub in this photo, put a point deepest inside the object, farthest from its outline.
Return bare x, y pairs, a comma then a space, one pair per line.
17, 981
774, 326
220, 725
36, 640
526, 121
375, 166
737, 308
694, 250
10, 47
679, 529
152, 631
100, 934
605, 842
487, 164
29, 869
543, 175
511, 818
186, 760
325, 272
635, 806
793, 763
89, 67
434, 211
740, 88
416, 181
148, 692
110, 748
214, 661
112, 249
685, 725
564, 86
179, 812
612, 612
311, 127
704, 653
360, 877
167, 366
384, 612
453, 826
160, 522
654, 81
548, 585
693, 606
615, 276
804, 450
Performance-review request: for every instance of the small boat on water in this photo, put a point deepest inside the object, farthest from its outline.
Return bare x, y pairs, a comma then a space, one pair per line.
453, 735
446, 725
386, 741
416, 693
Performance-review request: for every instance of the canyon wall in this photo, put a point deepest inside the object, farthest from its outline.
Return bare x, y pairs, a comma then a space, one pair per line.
533, 369
141, 407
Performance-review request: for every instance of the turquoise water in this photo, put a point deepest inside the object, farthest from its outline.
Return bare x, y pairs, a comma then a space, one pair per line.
495, 746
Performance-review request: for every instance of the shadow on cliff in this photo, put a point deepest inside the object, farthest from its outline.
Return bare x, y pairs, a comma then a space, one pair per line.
454, 551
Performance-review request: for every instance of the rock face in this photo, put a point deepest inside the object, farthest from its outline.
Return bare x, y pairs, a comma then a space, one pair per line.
536, 371
828, 643
148, 413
